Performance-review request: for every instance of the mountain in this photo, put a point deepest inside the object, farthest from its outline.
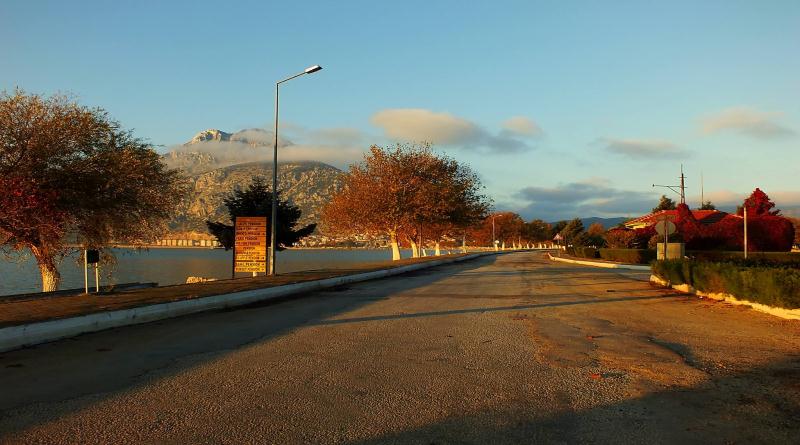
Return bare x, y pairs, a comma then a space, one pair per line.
308, 185
607, 223
212, 161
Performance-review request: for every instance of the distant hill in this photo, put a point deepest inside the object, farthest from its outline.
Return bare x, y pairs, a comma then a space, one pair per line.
606, 222
211, 162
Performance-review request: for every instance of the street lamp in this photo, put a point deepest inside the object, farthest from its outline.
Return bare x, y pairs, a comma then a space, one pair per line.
274, 222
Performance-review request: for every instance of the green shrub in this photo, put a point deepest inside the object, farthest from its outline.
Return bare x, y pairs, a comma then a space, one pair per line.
753, 258
633, 256
772, 285
586, 252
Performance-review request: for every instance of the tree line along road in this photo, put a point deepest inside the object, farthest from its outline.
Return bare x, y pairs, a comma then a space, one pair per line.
503, 349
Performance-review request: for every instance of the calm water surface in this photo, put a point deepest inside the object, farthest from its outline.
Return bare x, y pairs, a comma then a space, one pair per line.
172, 266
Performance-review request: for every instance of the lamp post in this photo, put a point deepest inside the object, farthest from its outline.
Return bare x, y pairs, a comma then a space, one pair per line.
274, 220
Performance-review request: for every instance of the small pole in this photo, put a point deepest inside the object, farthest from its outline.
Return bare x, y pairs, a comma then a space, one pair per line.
96, 278
85, 273
233, 260
745, 231
666, 239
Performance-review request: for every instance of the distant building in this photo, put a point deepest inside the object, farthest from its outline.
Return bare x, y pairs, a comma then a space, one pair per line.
706, 217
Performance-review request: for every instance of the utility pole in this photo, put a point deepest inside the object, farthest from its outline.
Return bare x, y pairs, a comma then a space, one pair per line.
702, 189
679, 189
745, 230
494, 239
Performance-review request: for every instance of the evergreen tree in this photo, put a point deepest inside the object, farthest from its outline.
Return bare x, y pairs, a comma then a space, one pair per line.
708, 206
256, 200
664, 204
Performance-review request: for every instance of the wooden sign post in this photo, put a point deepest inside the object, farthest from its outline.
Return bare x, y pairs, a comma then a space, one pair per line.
250, 248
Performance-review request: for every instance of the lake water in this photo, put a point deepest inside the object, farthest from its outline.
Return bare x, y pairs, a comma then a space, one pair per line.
172, 266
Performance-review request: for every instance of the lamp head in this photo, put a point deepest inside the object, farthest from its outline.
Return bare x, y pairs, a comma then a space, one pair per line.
312, 69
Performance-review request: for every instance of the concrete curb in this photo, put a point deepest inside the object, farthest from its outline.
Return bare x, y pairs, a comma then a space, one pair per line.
600, 264
789, 314
13, 337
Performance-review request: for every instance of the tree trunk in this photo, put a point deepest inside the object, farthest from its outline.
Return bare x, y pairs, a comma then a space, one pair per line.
438, 250
414, 249
395, 246
503, 246
51, 279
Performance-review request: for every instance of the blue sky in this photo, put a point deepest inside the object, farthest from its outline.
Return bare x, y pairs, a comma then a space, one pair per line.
564, 108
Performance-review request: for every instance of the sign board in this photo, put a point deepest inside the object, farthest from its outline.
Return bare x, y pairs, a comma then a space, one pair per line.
665, 227
558, 237
251, 244
92, 256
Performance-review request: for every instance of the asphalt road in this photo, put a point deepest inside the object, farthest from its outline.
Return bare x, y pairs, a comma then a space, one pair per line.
507, 349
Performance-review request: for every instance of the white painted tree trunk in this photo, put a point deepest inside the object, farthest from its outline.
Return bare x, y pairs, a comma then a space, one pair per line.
395, 246
51, 278
438, 250
414, 249
503, 246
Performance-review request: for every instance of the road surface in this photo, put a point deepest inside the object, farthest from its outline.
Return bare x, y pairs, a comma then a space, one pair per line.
506, 349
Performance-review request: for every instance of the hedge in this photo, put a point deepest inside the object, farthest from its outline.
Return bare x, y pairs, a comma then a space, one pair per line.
753, 258
777, 286
632, 256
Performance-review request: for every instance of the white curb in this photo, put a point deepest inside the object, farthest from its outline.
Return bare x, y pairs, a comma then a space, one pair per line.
600, 264
14, 337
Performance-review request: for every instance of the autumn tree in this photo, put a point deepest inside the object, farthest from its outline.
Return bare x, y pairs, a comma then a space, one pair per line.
455, 201
758, 204
68, 171
664, 204
507, 228
405, 192
256, 200
595, 234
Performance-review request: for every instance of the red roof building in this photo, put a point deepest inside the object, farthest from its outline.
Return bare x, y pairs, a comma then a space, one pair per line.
706, 217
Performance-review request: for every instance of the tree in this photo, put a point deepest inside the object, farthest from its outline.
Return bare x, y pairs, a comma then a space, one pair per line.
708, 206
406, 192
758, 204
595, 234
620, 238
557, 228
454, 201
537, 231
71, 171
256, 200
572, 232
664, 204
796, 223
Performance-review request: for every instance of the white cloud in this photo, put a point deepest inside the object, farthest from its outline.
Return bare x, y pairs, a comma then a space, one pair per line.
746, 121
643, 148
336, 146
421, 125
591, 197
523, 126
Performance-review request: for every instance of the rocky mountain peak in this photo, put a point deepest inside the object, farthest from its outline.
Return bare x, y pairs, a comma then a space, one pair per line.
210, 135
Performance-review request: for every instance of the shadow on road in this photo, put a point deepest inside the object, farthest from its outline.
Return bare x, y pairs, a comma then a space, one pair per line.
496, 309
109, 362
760, 405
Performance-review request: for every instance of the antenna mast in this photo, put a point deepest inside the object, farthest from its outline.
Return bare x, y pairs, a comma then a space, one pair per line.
679, 189
702, 189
